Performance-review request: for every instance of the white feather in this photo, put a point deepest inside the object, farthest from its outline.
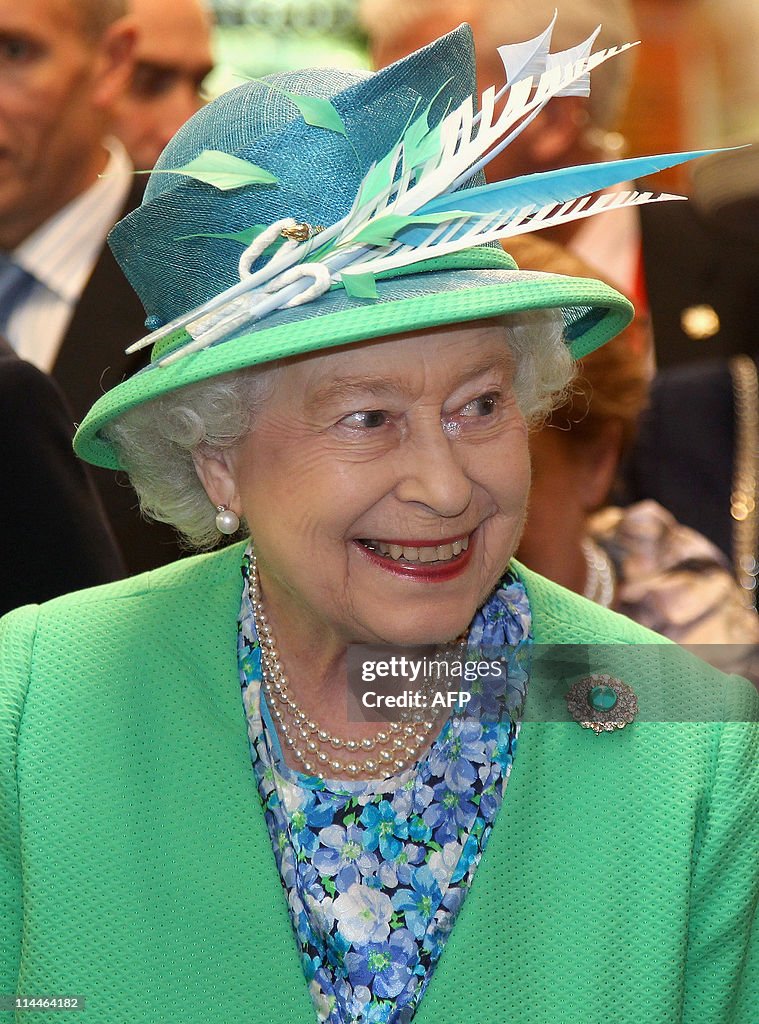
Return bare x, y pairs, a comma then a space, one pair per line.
582, 86
465, 143
524, 60
506, 224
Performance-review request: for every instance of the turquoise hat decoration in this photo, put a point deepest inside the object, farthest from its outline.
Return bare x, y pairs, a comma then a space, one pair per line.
324, 207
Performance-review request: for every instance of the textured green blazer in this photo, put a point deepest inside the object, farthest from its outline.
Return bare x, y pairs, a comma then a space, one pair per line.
619, 885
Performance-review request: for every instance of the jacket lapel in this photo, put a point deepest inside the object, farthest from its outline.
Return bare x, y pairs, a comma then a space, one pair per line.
216, 907
249, 891
108, 317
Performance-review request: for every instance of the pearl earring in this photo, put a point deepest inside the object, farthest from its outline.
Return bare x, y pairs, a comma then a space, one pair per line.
227, 521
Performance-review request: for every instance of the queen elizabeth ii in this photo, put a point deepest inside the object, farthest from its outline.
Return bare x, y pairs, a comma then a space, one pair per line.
196, 825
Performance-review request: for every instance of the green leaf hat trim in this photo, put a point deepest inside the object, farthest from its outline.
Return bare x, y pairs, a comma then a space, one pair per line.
222, 170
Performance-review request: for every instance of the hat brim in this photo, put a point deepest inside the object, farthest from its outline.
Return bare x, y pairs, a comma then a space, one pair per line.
593, 313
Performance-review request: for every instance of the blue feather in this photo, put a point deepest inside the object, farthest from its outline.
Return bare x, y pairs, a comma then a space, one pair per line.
558, 186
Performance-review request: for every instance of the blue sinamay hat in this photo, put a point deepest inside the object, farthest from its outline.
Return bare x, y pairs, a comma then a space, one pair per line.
324, 207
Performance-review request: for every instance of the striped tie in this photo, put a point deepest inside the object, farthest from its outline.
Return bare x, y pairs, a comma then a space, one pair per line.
15, 284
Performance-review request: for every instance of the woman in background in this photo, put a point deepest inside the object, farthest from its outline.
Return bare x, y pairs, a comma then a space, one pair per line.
638, 559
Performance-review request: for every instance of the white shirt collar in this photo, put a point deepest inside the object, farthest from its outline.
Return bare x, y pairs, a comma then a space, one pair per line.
62, 251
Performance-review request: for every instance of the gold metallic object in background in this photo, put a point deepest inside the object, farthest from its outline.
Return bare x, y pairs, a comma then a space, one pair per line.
700, 322
744, 496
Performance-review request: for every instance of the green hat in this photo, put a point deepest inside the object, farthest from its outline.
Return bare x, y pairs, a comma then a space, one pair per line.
323, 207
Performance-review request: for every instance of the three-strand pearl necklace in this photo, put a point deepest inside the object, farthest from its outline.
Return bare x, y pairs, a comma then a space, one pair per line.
391, 749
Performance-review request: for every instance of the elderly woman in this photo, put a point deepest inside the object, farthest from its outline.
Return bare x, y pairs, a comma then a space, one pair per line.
356, 400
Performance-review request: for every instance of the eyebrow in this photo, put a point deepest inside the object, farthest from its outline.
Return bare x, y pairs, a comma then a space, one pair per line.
149, 64
347, 387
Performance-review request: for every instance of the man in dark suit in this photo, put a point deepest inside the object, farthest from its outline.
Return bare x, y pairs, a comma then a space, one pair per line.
91, 360
698, 447
55, 537
64, 304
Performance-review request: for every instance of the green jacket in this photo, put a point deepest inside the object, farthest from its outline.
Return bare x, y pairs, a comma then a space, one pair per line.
620, 882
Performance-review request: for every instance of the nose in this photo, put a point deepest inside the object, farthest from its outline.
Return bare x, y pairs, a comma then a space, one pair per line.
433, 473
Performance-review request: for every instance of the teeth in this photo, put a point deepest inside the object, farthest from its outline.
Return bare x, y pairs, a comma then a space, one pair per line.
440, 553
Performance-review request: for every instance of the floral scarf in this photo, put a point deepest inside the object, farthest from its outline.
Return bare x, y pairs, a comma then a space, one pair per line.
375, 872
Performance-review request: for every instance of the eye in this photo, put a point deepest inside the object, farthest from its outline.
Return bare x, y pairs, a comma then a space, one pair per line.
368, 419
483, 405
152, 80
15, 49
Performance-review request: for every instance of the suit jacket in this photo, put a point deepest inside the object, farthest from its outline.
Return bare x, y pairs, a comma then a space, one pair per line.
691, 260
55, 536
684, 454
109, 317
619, 883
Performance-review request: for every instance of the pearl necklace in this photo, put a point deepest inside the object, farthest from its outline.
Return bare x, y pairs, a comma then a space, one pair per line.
600, 579
399, 744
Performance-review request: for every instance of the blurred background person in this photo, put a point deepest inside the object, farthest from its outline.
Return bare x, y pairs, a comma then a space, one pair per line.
55, 537
172, 59
697, 450
65, 305
697, 453
638, 560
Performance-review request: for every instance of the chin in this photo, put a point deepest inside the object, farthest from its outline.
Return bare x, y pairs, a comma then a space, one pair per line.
430, 626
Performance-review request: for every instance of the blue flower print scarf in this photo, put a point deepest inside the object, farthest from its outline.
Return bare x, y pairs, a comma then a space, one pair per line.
375, 872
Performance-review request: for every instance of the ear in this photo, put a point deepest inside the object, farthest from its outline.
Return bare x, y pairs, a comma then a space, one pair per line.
215, 471
114, 62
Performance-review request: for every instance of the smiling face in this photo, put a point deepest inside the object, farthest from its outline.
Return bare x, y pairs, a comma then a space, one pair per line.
384, 486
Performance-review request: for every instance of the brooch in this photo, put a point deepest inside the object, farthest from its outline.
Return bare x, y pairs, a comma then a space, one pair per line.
602, 703
301, 231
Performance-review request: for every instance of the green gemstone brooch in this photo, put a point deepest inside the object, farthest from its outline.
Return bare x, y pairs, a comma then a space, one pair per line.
602, 703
